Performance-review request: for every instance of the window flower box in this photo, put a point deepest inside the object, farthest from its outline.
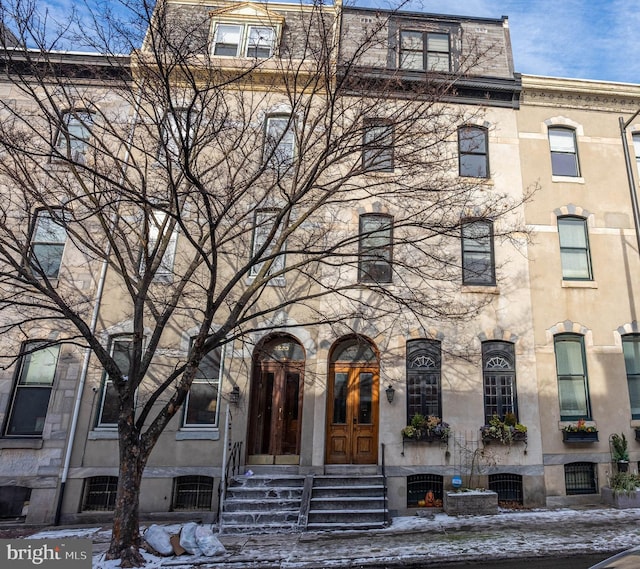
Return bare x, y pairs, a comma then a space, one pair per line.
426, 429
580, 433
505, 431
579, 437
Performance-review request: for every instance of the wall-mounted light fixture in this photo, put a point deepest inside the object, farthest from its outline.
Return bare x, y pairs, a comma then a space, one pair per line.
234, 395
390, 391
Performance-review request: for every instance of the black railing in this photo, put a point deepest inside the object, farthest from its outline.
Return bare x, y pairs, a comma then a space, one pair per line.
387, 518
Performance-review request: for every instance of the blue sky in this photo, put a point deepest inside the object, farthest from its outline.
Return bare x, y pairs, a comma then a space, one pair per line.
587, 39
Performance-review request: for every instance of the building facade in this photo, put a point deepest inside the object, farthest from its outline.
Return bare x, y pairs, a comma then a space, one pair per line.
432, 143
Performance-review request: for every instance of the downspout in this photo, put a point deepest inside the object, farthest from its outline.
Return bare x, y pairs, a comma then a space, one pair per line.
94, 323
630, 178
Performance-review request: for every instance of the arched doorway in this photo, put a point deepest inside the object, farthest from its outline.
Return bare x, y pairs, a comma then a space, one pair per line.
352, 403
275, 411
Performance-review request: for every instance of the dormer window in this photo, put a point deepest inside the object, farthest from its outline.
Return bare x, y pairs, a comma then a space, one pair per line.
244, 40
425, 51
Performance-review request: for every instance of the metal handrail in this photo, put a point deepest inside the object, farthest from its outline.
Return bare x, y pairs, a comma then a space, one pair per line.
231, 460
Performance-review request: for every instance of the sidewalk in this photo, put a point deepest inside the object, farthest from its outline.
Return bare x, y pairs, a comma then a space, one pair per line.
409, 541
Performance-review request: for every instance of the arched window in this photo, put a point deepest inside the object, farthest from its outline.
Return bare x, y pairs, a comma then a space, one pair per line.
499, 378
423, 378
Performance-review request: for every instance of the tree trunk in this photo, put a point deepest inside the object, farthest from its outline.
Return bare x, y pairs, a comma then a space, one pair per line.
125, 538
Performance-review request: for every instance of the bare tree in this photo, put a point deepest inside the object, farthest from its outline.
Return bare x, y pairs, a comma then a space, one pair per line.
221, 195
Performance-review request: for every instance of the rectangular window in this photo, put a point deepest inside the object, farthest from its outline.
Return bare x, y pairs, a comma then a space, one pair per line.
201, 407
265, 237
192, 493
376, 247
279, 147
478, 266
234, 40
574, 249
36, 372
424, 51
121, 351
158, 225
47, 245
472, 152
73, 138
571, 370
100, 494
377, 146
580, 478
423, 378
177, 135
564, 154
631, 350
636, 150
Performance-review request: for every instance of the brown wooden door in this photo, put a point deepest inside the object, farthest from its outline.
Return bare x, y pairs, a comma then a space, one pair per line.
274, 430
352, 415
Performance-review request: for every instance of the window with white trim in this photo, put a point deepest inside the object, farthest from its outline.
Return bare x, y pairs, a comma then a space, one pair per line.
376, 248
201, 406
177, 134
244, 40
265, 237
280, 141
72, 139
377, 146
32, 391
473, 152
573, 385
478, 265
564, 151
575, 256
425, 51
47, 245
631, 350
121, 348
158, 225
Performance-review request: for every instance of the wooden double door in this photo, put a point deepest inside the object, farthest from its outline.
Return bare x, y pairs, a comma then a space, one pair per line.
276, 407
352, 414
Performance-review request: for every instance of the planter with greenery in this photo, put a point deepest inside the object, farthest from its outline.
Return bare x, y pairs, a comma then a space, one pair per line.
620, 451
505, 431
426, 429
580, 432
623, 491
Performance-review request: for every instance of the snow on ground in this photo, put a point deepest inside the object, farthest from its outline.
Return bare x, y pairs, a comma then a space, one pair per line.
431, 538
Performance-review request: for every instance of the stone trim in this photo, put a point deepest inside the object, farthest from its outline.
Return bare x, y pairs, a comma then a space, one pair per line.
498, 334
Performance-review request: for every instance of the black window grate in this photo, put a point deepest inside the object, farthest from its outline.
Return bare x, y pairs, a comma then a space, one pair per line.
100, 494
418, 485
507, 486
13, 500
192, 493
580, 478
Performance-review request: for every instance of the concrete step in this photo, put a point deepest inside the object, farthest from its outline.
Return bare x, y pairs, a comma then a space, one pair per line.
328, 526
339, 480
262, 505
359, 502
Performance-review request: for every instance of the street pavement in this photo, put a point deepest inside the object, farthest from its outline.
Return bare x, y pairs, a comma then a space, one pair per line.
409, 542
